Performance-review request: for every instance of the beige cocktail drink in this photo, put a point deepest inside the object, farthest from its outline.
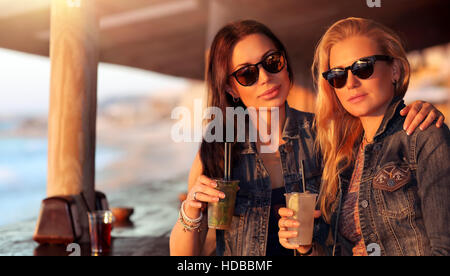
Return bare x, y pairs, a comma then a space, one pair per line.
303, 205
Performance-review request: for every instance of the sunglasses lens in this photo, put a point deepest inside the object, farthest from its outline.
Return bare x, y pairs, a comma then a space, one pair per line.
274, 63
247, 76
337, 78
363, 69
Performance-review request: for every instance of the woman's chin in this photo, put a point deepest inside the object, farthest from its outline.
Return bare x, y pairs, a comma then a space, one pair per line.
360, 111
275, 102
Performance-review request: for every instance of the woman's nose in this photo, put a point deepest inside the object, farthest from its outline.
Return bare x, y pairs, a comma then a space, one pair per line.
352, 81
264, 76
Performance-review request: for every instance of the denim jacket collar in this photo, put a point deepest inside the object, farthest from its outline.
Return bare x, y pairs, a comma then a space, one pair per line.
290, 131
390, 117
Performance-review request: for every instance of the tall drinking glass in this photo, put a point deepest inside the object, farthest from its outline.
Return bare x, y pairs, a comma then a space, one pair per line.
303, 205
221, 213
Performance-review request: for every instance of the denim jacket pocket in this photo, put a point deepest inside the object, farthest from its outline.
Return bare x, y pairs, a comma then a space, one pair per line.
392, 177
390, 191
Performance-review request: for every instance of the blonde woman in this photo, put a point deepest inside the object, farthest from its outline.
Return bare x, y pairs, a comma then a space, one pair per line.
384, 191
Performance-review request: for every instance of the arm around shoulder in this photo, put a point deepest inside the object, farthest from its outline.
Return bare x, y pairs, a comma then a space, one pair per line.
432, 153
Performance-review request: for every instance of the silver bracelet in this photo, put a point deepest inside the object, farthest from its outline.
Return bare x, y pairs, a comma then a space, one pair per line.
187, 227
187, 219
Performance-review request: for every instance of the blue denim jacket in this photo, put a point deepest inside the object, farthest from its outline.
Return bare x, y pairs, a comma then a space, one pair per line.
404, 205
249, 229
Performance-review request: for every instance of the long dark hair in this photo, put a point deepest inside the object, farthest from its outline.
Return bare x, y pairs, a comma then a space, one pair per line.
217, 77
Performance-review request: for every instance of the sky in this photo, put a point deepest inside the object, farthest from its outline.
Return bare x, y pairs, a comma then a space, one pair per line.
25, 83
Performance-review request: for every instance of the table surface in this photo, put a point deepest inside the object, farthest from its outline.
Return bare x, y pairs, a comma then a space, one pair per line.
140, 246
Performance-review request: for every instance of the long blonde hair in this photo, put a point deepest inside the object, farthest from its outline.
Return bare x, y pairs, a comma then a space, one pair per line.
337, 130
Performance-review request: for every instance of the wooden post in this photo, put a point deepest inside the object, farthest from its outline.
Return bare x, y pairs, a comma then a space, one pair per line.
73, 99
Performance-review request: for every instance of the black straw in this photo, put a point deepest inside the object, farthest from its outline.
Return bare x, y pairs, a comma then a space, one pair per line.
303, 175
225, 169
227, 161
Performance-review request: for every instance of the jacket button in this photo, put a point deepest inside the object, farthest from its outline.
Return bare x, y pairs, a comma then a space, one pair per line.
364, 204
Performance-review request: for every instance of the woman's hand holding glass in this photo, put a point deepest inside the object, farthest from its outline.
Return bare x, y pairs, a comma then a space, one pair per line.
284, 234
201, 193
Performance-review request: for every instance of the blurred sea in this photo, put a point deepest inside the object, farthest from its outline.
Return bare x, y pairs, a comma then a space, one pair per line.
23, 175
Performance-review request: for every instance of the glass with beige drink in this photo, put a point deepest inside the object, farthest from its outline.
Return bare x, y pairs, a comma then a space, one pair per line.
303, 205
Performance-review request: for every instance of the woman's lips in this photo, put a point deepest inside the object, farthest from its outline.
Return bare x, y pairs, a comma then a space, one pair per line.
271, 93
357, 98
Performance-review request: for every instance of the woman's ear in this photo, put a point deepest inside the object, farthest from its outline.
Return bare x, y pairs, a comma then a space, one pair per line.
231, 91
395, 71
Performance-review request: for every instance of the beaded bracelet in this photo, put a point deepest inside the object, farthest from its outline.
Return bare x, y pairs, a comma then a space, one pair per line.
187, 219
188, 227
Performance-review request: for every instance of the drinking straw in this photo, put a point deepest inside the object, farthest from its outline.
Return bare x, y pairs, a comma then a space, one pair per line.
227, 161
303, 175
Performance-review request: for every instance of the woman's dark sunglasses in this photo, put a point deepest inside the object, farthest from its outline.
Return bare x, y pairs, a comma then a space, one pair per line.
362, 68
249, 74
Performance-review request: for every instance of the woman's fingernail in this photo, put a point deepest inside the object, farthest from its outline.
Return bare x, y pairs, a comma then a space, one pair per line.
214, 184
222, 195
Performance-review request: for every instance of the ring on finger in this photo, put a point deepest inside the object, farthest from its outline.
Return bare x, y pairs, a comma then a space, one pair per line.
195, 196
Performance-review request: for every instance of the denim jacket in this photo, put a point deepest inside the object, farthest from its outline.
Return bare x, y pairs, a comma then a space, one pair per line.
404, 206
249, 230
